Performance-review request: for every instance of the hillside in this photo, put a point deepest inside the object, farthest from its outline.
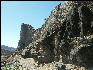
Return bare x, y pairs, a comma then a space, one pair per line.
6, 52
8, 48
64, 42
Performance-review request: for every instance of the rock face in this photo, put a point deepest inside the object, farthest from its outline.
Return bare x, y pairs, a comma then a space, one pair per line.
26, 34
68, 32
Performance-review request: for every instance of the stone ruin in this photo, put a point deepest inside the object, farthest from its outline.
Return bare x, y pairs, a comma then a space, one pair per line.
68, 32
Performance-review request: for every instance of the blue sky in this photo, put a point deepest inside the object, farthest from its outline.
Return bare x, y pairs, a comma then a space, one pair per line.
14, 13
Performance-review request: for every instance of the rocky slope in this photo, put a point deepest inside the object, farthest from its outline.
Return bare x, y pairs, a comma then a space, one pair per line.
65, 38
5, 54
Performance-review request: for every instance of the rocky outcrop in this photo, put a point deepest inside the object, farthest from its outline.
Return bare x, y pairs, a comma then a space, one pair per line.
68, 32
26, 34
